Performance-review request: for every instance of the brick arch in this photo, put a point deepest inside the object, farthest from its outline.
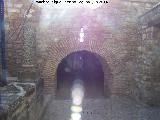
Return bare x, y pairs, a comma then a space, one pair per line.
58, 51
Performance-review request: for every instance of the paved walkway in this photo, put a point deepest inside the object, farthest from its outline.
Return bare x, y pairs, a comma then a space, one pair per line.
115, 108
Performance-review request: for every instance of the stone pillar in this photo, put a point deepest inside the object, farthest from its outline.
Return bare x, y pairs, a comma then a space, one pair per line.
29, 44
29, 52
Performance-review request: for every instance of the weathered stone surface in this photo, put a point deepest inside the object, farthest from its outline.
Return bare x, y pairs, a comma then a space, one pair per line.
111, 31
148, 59
21, 101
151, 17
115, 108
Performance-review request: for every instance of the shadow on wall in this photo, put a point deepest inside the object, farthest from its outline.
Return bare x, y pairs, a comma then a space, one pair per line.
87, 68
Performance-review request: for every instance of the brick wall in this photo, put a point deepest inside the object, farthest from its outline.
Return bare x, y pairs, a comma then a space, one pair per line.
112, 33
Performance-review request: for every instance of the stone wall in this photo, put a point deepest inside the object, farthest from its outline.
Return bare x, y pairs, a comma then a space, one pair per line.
16, 21
148, 65
14, 42
111, 31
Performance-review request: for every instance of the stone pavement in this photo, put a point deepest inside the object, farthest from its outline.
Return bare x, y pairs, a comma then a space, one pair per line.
113, 108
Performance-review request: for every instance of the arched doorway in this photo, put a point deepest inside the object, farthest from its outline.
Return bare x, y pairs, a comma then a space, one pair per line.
83, 65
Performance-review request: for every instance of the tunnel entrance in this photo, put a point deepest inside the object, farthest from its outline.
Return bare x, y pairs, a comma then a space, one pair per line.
82, 65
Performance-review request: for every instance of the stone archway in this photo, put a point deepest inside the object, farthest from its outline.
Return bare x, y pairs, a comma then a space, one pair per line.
84, 66
57, 51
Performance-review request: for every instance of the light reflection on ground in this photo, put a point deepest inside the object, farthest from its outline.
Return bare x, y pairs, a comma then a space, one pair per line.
77, 99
